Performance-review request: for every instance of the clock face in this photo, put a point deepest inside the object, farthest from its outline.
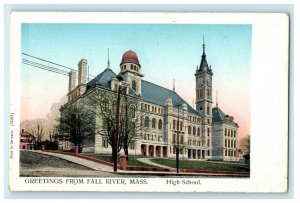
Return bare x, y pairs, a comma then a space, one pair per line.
200, 81
208, 82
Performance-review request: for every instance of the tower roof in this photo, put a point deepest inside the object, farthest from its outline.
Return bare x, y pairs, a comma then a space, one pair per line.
203, 64
130, 57
218, 116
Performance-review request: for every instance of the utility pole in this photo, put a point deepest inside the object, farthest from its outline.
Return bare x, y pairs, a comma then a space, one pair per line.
117, 132
177, 145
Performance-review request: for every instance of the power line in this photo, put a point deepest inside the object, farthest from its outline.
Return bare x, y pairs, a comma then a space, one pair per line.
38, 58
48, 61
44, 67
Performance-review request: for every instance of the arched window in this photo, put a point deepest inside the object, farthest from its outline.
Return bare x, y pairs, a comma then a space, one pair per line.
146, 121
189, 130
105, 105
131, 66
133, 85
153, 123
198, 132
160, 124
194, 130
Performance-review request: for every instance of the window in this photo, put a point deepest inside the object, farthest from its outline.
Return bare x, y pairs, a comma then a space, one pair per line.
132, 111
234, 144
173, 140
208, 93
131, 66
160, 124
189, 130
208, 142
105, 105
198, 132
147, 122
131, 145
194, 130
208, 132
174, 123
133, 85
225, 142
208, 152
207, 110
181, 139
132, 127
201, 93
105, 142
225, 132
153, 123
225, 152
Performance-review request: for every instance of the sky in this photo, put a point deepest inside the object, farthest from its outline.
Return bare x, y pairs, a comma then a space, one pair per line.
165, 52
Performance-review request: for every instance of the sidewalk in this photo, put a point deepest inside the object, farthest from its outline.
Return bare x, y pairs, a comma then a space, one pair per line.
147, 161
89, 164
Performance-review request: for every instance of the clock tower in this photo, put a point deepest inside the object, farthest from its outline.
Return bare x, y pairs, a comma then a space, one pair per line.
204, 102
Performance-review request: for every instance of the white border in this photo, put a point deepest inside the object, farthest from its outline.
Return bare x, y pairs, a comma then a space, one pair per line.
269, 98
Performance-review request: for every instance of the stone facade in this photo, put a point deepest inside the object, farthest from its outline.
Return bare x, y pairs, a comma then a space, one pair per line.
165, 119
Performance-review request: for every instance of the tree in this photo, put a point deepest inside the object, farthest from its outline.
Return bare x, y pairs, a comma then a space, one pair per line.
77, 124
38, 131
131, 122
245, 147
104, 105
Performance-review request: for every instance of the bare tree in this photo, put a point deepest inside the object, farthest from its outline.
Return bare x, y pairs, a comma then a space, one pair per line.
38, 131
245, 147
104, 105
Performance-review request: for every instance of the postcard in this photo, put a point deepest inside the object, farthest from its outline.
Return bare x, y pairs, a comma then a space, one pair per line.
148, 102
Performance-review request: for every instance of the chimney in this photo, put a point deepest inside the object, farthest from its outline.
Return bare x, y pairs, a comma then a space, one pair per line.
72, 80
82, 72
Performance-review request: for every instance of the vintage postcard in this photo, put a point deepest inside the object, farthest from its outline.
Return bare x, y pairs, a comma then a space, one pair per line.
148, 102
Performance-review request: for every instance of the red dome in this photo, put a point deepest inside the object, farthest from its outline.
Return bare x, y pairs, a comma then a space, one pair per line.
130, 57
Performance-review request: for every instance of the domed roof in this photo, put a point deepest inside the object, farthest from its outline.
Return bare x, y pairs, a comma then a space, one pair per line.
130, 57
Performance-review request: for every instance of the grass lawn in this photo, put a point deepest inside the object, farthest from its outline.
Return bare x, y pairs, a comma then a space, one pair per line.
31, 160
204, 165
131, 162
